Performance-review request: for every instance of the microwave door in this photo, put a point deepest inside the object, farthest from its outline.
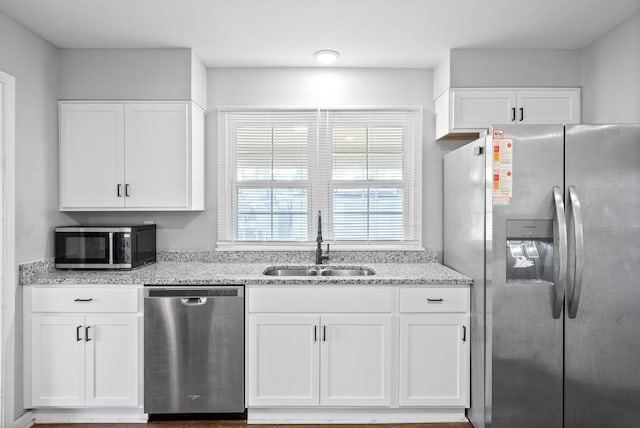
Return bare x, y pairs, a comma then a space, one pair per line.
84, 249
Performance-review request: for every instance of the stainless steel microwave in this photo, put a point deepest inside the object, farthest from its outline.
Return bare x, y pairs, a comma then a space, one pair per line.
104, 247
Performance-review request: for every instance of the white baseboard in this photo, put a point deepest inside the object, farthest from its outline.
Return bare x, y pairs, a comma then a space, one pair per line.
352, 416
96, 415
24, 421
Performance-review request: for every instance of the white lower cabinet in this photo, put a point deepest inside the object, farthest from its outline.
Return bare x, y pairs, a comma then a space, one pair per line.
327, 360
111, 360
355, 361
434, 360
82, 348
283, 360
57, 361
402, 353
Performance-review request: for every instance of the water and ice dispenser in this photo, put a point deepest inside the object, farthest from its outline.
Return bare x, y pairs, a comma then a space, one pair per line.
529, 252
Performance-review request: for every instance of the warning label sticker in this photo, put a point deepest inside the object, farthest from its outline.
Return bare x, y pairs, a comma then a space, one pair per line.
502, 171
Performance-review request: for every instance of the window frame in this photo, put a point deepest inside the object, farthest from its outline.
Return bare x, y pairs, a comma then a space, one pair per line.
319, 186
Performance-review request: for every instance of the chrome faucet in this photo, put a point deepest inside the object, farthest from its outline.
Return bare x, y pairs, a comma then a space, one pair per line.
319, 256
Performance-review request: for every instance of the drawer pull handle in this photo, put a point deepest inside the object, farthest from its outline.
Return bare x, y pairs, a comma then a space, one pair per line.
83, 300
78, 338
435, 300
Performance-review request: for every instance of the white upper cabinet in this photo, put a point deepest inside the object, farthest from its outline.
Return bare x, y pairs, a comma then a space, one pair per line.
549, 106
131, 156
461, 113
91, 153
474, 108
156, 155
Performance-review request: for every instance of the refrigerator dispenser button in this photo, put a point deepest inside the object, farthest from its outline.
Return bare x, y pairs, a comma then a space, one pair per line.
531, 250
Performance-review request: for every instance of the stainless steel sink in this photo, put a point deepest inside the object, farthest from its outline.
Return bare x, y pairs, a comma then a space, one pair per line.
347, 272
277, 271
291, 272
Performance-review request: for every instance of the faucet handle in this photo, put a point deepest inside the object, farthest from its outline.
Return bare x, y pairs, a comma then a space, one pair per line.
326, 255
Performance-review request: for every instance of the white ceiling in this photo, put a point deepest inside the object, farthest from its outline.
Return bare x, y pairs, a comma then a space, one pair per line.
368, 33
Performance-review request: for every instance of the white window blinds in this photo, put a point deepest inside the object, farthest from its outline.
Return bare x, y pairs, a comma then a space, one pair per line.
362, 169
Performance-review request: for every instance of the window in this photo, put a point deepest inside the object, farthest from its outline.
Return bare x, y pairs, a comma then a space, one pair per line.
362, 169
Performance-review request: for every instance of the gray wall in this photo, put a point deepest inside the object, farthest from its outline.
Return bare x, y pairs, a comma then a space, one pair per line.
611, 76
34, 64
125, 74
301, 87
509, 67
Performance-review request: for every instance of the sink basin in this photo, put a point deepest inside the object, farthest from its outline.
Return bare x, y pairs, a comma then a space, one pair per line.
347, 272
291, 272
279, 271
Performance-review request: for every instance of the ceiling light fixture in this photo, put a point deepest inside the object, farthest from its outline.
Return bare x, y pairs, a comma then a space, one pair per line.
326, 56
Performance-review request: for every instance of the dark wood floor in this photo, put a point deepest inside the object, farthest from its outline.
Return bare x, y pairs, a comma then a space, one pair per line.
241, 423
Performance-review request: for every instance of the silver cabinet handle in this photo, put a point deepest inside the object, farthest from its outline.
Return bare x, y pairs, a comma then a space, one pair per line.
560, 265
575, 288
127, 188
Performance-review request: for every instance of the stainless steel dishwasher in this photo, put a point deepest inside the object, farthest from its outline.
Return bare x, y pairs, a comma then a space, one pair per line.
193, 349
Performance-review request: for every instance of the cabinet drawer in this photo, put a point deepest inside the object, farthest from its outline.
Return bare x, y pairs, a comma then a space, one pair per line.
84, 299
434, 300
319, 299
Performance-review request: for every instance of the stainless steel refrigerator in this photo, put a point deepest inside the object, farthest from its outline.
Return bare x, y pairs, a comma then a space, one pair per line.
549, 229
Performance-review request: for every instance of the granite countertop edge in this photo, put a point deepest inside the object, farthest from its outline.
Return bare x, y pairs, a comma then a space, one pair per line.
251, 274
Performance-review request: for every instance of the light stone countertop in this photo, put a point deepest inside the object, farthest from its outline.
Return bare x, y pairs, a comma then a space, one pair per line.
251, 274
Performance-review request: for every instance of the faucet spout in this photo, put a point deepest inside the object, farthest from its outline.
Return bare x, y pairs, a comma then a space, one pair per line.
319, 236
319, 256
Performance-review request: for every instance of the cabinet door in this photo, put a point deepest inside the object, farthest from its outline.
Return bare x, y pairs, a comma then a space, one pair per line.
91, 155
434, 360
156, 155
549, 106
481, 108
111, 360
283, 360
57, 361
355, 360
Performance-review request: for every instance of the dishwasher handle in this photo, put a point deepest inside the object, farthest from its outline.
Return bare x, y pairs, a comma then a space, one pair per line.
194, 293
193, 301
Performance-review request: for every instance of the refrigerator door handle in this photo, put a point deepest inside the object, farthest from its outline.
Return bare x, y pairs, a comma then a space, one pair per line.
560, 270
575, 290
